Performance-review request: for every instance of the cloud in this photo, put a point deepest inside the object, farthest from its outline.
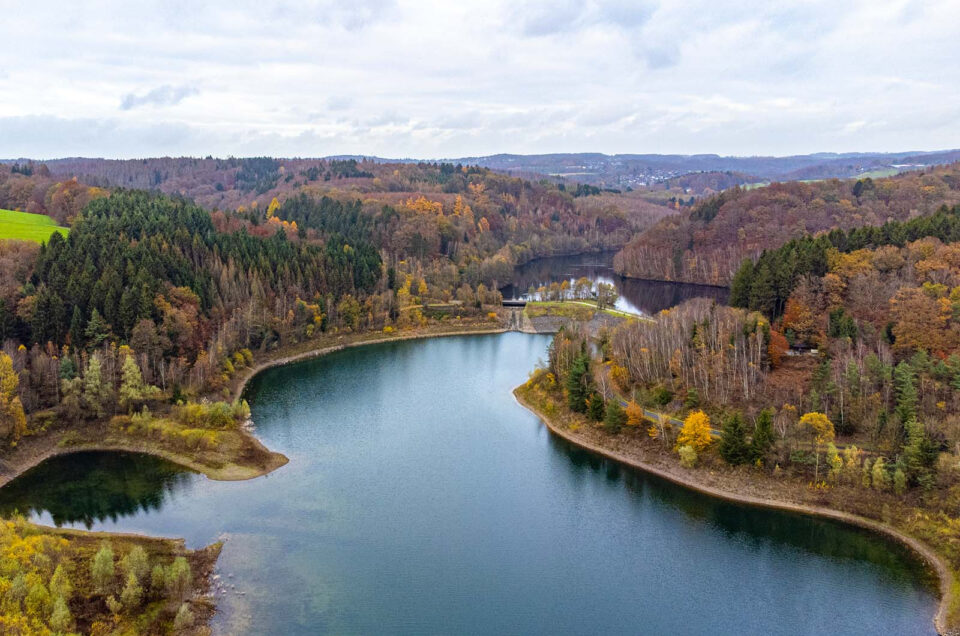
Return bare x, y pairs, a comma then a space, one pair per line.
165, 95
431, 78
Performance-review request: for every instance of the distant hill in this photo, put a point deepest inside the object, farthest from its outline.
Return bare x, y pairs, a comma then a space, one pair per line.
622, 171
644, 170
707, 244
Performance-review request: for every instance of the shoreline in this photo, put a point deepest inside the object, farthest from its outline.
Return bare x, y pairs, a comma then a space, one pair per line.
936, 563
671, 282
252, 372
39, 449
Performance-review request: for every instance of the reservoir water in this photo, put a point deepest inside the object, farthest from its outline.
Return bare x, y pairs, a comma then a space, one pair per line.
636, 295
420, 498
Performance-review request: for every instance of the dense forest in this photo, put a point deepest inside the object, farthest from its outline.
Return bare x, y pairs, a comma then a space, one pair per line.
838, 365
708, 244
153, 296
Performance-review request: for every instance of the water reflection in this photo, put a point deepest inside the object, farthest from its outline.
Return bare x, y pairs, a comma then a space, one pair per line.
636, 296
757, 527
92, 487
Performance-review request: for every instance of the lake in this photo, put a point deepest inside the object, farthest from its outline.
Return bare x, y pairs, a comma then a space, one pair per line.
636, 296
420, 498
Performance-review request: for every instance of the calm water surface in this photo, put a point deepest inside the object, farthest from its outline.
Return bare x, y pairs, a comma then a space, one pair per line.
636, 296
420, 498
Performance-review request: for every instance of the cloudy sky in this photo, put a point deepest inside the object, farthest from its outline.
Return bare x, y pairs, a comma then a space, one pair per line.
424, 79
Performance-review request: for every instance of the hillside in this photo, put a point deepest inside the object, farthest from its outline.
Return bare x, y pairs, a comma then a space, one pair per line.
707, 244
27, 227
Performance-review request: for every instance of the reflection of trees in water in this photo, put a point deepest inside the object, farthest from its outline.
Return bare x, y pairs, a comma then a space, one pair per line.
756, 527
647, 296
93, 486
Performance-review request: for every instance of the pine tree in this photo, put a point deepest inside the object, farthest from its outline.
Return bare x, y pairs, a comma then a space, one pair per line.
742, 285
578, 386
733, 440
595, 407
904, 381
920, 455
763, 436
97, 329
615, 417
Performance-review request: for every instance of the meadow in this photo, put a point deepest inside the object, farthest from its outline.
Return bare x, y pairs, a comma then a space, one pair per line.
27, 227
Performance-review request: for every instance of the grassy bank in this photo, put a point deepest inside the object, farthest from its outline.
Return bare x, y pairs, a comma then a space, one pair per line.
27, 227
909, 525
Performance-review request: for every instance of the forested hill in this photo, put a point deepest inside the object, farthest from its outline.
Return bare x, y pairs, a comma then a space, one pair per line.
279, 253
708, 244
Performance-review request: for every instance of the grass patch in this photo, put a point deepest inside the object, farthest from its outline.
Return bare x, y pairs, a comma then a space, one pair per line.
572, 310
28, 227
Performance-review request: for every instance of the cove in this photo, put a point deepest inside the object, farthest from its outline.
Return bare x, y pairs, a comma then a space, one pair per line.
637, 296
421, 498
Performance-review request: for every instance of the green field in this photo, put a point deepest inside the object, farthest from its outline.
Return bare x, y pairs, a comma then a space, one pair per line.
27, 227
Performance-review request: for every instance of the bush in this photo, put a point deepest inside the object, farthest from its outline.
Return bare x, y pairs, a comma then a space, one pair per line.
688, 456
184, 618
662, 396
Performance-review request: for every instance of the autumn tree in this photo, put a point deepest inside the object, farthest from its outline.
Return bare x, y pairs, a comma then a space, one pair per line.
13, 421
133, 390
606, 295
97, 390
634, 414
102, 569
696, 432
820, 429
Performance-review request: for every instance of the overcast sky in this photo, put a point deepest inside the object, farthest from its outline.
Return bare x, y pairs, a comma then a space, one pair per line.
445, 79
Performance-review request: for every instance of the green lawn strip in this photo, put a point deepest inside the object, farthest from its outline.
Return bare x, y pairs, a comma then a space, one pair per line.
27, 227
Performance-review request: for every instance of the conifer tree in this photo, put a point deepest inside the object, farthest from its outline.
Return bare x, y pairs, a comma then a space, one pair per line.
763, 436
733, 440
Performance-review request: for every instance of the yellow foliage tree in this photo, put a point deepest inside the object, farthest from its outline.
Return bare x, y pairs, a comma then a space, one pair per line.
273, 207
820, 428
634, 414
695, 432
13, 421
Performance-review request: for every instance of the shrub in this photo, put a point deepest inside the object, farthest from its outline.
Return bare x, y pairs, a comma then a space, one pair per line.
688, 456
662, 396
184, 618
